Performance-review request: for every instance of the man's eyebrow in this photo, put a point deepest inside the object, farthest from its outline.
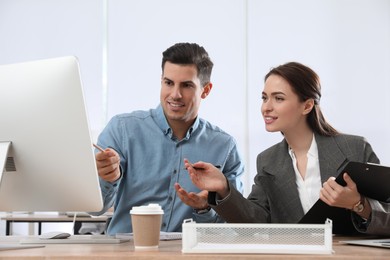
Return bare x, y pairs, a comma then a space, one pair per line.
188, 82
182, 82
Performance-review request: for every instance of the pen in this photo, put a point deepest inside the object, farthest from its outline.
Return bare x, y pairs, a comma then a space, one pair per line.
98, 147
197, 168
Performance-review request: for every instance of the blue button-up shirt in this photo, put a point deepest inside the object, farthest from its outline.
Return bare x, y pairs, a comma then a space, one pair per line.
152, 162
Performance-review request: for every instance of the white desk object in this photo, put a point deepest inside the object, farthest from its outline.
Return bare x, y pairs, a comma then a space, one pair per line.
257, 238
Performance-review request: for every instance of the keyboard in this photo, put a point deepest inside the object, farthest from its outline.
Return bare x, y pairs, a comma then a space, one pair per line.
78, 214
76, 239
17, 246
163, 235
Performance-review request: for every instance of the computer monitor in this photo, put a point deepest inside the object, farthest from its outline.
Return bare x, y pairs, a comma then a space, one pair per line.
47, 159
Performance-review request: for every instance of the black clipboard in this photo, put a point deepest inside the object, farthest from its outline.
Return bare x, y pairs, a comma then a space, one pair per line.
372, 180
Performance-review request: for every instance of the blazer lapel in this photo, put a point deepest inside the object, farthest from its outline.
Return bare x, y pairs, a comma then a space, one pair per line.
330, 157
281, 170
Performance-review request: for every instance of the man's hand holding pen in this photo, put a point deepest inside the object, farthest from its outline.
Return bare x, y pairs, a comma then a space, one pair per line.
192, 199
107, 163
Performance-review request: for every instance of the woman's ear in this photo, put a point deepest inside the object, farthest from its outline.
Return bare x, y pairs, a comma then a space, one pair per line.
309, 104
206, 90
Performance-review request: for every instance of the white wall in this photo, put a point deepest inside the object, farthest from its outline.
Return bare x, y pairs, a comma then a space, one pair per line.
42, 29
345, 41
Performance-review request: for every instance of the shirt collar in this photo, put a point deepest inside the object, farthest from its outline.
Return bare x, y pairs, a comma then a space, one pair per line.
313, 150
162, 123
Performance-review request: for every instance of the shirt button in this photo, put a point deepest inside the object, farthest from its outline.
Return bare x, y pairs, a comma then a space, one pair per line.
169, 198
174, 171
163, 224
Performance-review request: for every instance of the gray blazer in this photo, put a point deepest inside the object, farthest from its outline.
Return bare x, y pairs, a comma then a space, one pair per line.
274, 197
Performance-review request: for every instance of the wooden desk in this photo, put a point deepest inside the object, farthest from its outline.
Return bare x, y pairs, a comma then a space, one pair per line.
35, 218
172, 250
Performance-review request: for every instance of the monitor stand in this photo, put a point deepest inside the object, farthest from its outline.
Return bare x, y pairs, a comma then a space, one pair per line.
4, 147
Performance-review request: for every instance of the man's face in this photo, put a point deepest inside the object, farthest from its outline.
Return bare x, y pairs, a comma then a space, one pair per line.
181, 93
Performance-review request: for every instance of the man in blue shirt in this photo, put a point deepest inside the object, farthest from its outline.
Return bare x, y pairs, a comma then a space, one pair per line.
143, 160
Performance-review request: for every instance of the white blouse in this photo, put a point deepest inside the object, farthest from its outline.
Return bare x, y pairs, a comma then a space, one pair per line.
308, 188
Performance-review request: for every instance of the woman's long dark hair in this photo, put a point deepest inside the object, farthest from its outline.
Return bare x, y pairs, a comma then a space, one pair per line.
306, 84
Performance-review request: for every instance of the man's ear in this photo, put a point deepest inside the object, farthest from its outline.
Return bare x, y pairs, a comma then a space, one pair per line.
309, 104
206, 90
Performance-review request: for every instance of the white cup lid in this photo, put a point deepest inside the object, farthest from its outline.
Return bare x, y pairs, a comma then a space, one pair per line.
146, 210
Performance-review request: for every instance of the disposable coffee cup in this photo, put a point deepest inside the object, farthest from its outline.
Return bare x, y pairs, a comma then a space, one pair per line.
146, 223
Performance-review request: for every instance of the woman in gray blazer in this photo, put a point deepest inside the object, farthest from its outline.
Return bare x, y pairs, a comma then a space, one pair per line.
293, 174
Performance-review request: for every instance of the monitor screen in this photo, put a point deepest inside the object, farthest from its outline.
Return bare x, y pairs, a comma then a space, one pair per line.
47, 159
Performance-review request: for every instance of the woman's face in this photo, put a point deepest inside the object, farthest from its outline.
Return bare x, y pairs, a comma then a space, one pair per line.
281, 108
